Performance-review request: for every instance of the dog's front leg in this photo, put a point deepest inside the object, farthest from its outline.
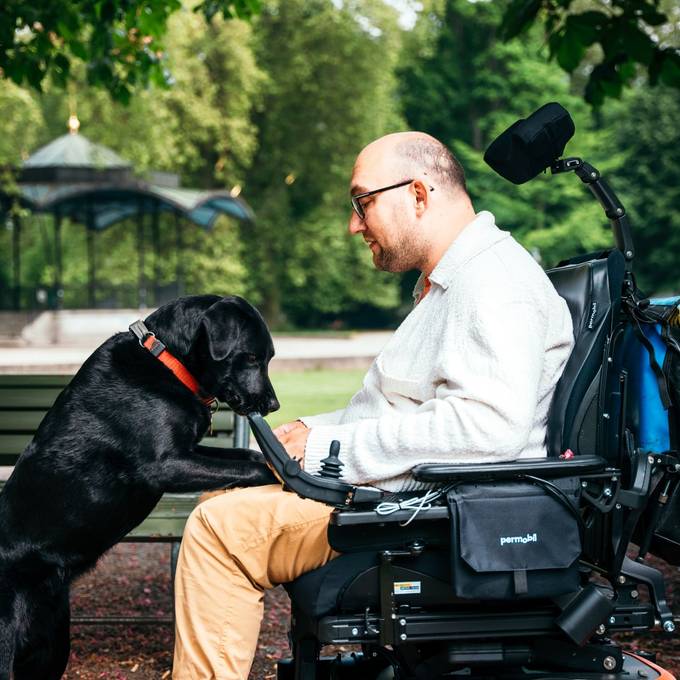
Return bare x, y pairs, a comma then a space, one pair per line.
223, 454
202, 473
8, 632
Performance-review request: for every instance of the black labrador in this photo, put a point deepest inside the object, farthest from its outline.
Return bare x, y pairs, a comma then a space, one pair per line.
122, 433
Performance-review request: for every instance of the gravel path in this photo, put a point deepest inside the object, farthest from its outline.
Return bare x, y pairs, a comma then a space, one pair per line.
135, 579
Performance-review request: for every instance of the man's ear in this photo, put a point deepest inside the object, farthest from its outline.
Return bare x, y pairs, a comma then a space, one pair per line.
221, 325
421, 196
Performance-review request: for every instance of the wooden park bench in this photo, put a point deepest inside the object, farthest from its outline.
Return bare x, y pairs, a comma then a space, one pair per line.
24, 400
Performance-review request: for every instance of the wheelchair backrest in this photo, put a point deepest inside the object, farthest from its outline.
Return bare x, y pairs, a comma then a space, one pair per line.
592, 290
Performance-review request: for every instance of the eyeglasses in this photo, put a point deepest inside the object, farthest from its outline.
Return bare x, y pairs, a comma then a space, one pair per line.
359, 209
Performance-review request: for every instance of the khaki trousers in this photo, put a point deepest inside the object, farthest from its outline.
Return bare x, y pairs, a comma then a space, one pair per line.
235, 545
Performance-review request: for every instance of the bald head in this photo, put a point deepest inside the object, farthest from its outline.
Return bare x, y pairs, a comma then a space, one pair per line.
412, 154
409, 201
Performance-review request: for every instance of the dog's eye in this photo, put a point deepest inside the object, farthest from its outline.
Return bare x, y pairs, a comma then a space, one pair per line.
252, 358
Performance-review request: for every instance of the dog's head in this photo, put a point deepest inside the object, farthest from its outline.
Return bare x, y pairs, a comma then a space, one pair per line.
230, 355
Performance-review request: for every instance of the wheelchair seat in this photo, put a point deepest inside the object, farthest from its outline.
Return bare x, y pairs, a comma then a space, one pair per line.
392, 589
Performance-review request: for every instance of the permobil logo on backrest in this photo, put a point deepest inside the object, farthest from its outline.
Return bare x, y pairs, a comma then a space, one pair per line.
529, 538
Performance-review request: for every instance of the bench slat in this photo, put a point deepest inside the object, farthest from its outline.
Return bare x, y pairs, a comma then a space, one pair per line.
13, 445
167, 519
34, 380
20, 421
28, 397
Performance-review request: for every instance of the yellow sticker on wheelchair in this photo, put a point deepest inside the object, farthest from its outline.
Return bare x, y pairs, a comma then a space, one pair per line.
406, 587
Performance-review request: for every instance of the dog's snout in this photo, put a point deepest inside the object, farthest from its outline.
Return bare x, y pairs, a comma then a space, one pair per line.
271, 404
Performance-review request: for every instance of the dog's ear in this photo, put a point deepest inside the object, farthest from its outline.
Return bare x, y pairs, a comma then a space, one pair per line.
221, 325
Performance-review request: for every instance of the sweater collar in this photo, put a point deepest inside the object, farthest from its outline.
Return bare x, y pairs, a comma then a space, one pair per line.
478, 235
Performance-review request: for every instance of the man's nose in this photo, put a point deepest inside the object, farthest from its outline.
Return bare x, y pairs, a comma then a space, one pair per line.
356, 224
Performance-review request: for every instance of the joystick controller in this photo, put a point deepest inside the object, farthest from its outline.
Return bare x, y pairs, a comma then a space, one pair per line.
331, 466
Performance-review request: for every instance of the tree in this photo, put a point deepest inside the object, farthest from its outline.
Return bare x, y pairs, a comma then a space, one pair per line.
330, 90
629, 35
648, 183
119, 41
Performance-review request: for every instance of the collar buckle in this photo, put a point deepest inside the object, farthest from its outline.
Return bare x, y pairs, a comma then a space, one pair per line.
140, 331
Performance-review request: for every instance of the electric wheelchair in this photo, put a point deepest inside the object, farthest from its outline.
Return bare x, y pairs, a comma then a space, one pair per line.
520, 569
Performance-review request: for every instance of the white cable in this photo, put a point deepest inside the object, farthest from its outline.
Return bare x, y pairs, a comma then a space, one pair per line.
416, 504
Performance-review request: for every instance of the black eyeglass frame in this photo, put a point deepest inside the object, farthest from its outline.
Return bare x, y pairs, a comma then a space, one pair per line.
359, 209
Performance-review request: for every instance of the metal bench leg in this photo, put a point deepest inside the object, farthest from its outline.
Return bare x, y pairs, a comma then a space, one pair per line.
174, 555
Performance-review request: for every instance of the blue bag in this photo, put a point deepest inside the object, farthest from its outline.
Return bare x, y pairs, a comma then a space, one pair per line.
653, 371
651, 359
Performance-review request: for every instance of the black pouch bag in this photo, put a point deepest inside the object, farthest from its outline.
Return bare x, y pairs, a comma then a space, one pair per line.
515, 539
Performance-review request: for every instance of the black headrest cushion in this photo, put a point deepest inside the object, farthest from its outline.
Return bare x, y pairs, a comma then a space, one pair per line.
531, 144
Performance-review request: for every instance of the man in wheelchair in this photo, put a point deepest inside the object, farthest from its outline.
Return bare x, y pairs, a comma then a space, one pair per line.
460, 542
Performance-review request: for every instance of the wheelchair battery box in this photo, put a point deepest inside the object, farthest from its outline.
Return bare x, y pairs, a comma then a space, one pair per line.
514, 539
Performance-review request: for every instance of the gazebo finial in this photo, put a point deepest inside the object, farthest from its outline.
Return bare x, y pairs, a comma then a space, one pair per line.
73, 124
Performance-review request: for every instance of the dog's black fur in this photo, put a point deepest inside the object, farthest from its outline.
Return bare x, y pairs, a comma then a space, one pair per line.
123, 432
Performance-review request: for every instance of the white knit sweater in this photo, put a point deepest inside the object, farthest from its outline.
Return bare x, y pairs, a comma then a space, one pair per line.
467, 377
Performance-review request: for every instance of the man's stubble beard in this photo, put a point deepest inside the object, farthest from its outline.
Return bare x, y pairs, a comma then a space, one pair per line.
407, 253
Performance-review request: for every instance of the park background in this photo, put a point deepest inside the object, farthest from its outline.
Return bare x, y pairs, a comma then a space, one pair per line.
274, 108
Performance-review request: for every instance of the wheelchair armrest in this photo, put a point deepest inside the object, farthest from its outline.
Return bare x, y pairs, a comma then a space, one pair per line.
550, 468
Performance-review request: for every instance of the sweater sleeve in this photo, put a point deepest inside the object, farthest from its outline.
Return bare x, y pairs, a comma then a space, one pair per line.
488, 365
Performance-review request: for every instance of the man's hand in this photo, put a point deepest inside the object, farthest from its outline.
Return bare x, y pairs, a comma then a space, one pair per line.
293, 436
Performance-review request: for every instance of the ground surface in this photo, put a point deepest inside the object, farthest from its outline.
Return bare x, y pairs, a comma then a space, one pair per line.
135, 579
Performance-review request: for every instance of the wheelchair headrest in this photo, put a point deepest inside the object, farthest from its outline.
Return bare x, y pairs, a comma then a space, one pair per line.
532, 144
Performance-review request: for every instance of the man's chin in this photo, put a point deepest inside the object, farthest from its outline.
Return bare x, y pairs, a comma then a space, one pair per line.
386, 264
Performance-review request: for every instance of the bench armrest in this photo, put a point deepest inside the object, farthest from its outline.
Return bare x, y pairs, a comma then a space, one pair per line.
550, 468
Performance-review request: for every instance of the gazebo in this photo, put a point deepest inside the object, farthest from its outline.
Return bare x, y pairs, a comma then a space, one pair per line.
74, 178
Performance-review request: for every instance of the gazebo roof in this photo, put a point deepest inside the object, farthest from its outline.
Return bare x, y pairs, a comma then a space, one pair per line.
91, 184
101, 205
75, 151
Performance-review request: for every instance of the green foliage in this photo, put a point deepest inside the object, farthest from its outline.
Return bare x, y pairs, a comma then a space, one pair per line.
121, 42
631, 35
648, 182
330, 90
200, 127
21, 121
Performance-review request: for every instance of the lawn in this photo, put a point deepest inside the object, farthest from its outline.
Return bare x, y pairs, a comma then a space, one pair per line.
305, 393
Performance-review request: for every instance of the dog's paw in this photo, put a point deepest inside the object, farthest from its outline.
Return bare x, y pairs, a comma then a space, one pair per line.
262, 475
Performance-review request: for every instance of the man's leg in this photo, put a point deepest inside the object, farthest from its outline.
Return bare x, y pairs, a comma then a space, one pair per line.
234, 546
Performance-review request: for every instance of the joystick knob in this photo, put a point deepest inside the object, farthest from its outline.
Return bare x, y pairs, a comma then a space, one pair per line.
331, 466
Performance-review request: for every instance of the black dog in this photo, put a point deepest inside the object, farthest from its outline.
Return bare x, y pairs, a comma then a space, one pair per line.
123, 432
